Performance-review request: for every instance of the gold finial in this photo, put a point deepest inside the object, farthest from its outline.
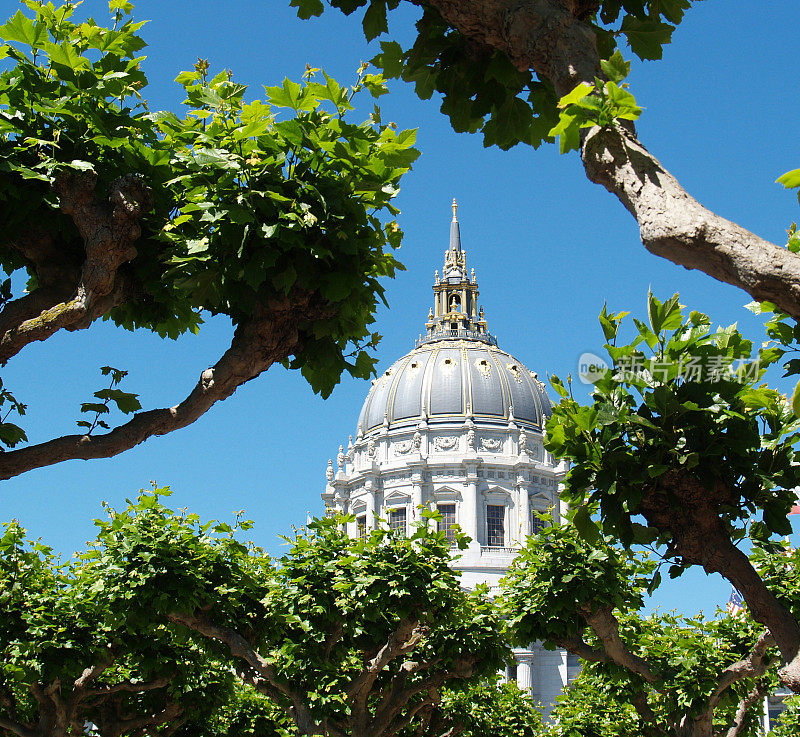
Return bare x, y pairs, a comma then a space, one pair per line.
455, 209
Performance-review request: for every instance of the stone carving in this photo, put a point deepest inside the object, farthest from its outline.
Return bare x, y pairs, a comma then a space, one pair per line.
449, 442
370, 448
491, 445
471, 440
417, 440
513, 369
523, 443
403, 447
329, 470
351, 451
340, 458
537, 381
483, 367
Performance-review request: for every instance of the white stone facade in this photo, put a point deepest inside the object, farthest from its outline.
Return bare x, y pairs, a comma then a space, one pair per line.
456, 425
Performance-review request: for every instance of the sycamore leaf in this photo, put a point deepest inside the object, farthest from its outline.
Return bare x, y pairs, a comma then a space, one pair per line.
615, 67
307, 8
790, 180
375, 22
22, 29
125, 401
646, 37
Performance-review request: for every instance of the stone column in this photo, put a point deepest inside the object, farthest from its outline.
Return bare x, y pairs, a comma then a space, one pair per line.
370, 499
416, 496
469, 521
525, 674
524, 510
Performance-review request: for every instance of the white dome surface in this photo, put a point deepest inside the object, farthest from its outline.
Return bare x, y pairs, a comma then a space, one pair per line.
450, 379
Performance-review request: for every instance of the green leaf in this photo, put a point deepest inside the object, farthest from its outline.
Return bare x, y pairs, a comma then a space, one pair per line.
586, 527
307, 8
790, 180
124, 5
375, 22
288, 95
646, 36
390, 60
578, 93
796, 399
126, 401
11, 434
94, 407
615, 67
22, 29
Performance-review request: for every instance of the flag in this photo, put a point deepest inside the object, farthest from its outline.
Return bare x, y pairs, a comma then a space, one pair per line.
735, 604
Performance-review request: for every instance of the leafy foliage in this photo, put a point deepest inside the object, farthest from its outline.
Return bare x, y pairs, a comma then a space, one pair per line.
557, 573
481, 88
491, 710
680, 400
587, 106
60, 621
553, 592
253, 201
124, 401
319, 616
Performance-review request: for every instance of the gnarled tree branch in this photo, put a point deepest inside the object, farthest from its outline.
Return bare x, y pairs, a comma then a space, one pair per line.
271, 335
756, 695
268, 682
109, 231
606, 627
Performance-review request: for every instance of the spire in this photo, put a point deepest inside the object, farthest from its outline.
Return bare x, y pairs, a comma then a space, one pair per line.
455, 309
455, 230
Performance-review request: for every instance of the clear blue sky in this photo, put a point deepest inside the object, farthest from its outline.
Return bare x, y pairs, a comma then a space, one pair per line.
549, 248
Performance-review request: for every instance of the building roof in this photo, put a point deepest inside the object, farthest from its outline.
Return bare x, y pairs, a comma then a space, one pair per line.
456, 371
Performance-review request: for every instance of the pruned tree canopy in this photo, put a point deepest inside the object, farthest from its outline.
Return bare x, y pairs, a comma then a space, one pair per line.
268, 212
160, 619
655, 674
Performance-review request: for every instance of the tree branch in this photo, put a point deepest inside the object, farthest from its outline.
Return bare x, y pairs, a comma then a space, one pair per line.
577, 646
89, 674
674, 225
141, 726
271, 335
407, 635
551, 38
18, 729
128, 687
757, 694
240, 648
753, 666
606, 627
108, 231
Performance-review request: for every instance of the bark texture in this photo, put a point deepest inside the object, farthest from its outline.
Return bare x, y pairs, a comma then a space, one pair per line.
689, 511
75, 289
699, 723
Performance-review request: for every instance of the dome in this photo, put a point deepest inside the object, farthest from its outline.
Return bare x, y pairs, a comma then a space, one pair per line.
452, 379
456, 370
